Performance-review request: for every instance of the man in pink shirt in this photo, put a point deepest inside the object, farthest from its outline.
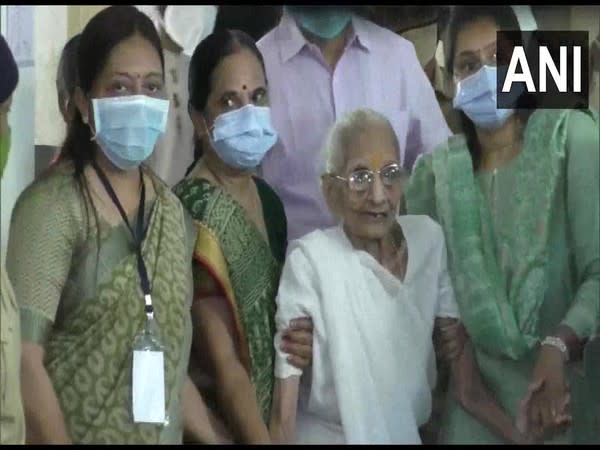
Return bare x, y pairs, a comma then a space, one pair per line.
321, 63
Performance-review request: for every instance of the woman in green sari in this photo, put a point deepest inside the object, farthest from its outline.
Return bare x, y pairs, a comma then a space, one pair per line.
242, 238
517, 197
79, 270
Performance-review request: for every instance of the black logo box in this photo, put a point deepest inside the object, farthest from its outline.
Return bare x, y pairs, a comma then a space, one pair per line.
531, 41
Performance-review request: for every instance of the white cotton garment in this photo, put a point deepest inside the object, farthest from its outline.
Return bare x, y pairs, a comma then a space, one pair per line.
188, 25
174, 151
373, 363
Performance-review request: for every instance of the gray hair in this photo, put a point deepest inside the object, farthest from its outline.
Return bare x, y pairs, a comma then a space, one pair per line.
345, 130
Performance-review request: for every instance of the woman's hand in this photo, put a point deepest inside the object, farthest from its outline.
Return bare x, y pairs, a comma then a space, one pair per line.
449, 337
277, 436
549, 406
282, 427
297, 342
523, 433
200, 424
477, 400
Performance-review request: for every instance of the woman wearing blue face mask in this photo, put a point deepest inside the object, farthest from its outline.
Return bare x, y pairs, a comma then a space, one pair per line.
518, 199
100, 258
242, 239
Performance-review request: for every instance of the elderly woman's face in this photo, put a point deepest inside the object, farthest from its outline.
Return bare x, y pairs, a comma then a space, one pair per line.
370, 214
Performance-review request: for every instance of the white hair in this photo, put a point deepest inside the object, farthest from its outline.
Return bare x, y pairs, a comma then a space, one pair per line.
344, 131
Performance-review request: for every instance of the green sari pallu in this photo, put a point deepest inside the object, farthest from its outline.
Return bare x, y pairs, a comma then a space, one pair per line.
89, 349
231, 250
523, 249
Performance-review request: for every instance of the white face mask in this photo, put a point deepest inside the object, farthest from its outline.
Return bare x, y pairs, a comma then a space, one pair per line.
425, 40
525, 17
188, 25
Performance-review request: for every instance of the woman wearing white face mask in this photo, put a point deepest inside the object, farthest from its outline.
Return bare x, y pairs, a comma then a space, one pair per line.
100, 258
517, 197
181, 28
242, 236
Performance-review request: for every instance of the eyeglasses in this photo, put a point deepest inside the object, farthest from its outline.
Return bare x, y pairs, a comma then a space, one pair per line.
361, 180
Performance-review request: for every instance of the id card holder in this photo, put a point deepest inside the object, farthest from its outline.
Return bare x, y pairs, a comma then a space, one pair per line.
148, 376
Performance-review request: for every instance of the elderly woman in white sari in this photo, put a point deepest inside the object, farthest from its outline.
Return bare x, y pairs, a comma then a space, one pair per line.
375, 286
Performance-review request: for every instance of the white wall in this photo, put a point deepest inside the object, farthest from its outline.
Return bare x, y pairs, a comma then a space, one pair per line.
80, 15
20, 166
35, 118
50, 37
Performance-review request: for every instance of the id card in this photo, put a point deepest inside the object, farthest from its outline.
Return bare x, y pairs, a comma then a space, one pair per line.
148, 386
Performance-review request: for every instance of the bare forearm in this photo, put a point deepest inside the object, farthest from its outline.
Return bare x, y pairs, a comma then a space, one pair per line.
283, 413
487, 411
199, 422
43, 417
477, 400
236, 393
238, 398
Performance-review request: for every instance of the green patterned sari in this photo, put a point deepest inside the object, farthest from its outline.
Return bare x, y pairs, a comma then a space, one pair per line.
84, 304
523, 249
232, 251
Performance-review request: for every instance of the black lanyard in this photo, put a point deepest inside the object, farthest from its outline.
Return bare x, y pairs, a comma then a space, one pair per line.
138, 235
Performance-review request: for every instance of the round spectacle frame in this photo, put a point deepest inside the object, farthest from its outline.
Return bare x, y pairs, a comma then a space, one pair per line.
360, 180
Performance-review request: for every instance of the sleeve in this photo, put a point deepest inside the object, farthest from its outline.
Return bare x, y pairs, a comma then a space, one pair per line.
428, 127
583, 210
419, 195
297, 297
40, 249
447, 306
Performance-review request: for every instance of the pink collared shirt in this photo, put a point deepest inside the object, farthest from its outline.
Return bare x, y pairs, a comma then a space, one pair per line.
378, 70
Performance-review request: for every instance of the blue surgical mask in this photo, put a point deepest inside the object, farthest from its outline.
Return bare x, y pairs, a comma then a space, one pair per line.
323, 22
242, 138
477, 95
127, 128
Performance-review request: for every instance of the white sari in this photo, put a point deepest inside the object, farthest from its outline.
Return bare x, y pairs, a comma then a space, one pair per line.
373, 363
